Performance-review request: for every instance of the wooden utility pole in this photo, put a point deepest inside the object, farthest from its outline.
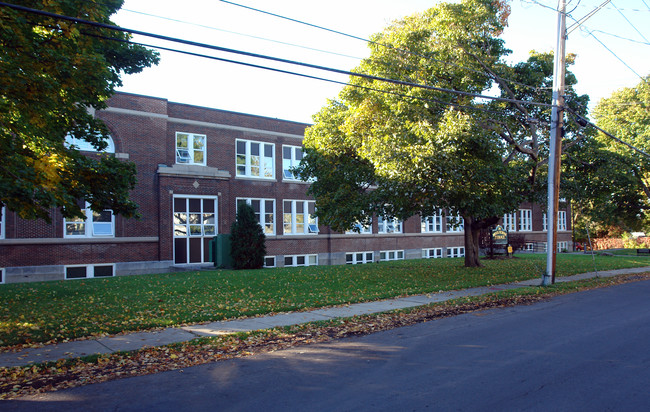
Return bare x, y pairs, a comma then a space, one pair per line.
555, 151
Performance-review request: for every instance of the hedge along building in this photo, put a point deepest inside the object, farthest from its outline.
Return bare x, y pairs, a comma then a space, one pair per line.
194, 165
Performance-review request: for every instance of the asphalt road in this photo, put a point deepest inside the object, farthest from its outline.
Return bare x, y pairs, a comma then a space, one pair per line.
586, 351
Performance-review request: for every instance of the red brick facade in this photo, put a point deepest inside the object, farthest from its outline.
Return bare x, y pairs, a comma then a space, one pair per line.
144, 130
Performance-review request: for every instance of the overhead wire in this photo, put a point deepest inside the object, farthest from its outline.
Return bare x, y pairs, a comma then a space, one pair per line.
375, 43
270, 58
629, 22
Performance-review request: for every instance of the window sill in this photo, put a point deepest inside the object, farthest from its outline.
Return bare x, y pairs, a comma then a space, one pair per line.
183, 170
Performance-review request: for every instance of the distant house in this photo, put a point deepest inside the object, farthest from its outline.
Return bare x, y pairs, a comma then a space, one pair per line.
195, 165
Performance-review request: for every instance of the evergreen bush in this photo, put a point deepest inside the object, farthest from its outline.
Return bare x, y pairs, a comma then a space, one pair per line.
247, 247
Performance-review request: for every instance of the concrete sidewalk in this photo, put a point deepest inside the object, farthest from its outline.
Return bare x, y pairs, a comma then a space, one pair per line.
138, 340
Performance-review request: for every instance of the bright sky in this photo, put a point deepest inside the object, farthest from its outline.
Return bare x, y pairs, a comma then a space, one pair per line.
203, 82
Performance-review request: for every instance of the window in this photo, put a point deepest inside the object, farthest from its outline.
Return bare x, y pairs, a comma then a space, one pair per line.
255, 159
389, 225
2, 222
195, 224
361, 228
2, 275
529, 247
525, 220
298, 217
563, 246
387, 255
84, 146
432, 224
454, 252
264, 212
561, 220
89, 271
455, 224
357, 258
190, 148
291, 157
432, 253
509, 222
93, 224
301, 260
269, 261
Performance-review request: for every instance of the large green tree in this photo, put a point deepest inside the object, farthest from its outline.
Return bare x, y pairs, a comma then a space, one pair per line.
53, 72
626, 115
393, 149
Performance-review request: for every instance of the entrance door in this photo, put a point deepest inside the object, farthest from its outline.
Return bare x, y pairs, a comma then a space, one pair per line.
195, 224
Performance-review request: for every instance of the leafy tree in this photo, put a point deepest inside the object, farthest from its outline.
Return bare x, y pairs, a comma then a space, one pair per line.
397, 150
52, 71
626, 115
247, 239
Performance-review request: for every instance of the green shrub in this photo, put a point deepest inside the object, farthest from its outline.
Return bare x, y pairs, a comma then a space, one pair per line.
247, 247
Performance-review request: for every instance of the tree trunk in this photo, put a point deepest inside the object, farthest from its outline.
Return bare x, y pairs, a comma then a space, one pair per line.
472, 231
471, 243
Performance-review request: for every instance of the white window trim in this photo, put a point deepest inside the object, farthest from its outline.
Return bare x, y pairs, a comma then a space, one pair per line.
562, 245
456, 252
84, 146
90, 271
262, 218
189, 155
363, 229
561, 220
248, 164
433, 221
274, 261
294, 259
384, 255
525, 220
187, 223
364, 260
455, 228
89, 225
3, 222
437, 253
510, 222
383, 225
287, 174
310, 222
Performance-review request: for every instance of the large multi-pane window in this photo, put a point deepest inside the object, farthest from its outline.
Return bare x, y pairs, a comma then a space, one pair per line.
432, 224
455, 223
255, 159
190, 148
298, 217
561, 220
264, 212
85, 146
389, 225
362, 228
92, 224
509, 222
195, 224
525, 220
291, 157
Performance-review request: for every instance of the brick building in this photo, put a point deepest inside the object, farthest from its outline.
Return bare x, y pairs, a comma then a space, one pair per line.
194, 165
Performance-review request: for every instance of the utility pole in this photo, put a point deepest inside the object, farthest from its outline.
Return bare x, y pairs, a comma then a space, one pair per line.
555, 151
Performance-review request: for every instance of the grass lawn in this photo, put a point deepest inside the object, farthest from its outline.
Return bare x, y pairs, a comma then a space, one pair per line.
61, 310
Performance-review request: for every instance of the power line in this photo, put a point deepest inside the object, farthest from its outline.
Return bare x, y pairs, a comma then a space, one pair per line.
621, 37
633, 26
614, 54
374, 42
242, 34
265, 57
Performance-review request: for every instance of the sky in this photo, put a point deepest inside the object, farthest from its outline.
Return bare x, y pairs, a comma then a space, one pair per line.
612, 47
